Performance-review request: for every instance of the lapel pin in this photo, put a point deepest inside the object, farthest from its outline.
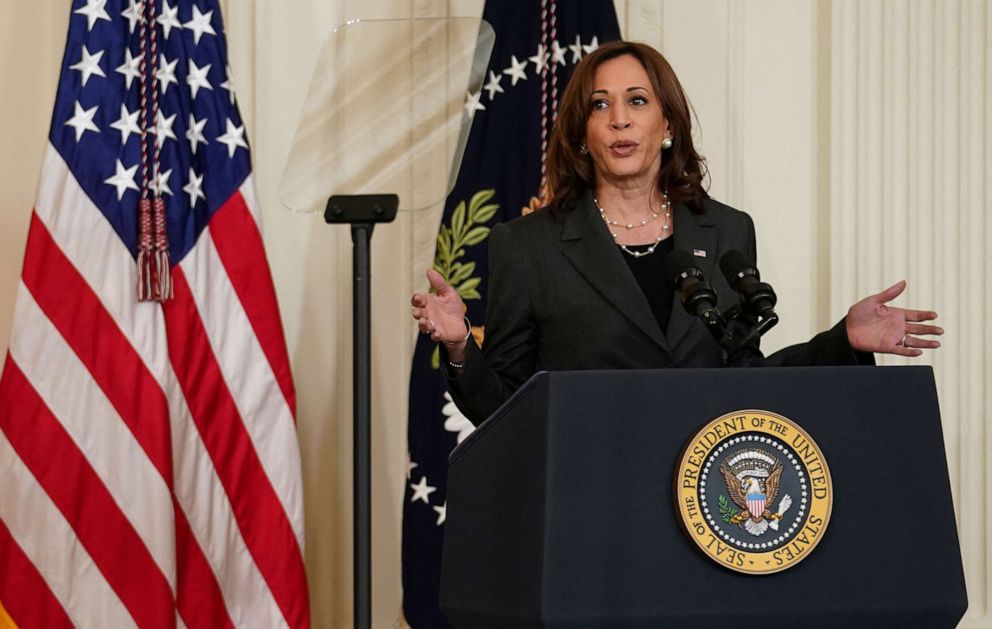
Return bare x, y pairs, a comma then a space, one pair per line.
699, 253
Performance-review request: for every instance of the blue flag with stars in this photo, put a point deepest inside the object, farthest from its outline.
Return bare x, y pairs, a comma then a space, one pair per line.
538, 43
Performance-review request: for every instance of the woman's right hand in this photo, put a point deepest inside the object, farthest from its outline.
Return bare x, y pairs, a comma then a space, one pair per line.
441, 313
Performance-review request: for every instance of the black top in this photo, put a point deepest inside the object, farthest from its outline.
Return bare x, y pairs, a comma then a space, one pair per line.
649, 271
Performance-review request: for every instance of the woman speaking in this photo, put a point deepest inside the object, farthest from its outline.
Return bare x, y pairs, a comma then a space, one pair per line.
581, 284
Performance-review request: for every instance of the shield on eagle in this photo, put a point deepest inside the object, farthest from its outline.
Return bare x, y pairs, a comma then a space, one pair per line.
756, 504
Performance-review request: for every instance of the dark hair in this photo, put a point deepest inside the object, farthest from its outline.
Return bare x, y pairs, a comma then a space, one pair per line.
570, 172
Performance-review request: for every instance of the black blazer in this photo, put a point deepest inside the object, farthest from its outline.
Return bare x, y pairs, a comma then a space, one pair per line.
561, 297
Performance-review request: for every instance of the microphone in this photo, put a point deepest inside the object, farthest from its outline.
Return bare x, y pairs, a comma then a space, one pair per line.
757, 297
698, 297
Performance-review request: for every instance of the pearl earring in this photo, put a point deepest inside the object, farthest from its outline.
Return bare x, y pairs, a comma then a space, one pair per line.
583, 149
666, 143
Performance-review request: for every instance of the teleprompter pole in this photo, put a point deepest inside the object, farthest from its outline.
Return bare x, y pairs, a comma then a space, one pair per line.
362, 212
361, 236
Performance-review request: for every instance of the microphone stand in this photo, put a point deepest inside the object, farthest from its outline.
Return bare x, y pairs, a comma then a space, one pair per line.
757, 327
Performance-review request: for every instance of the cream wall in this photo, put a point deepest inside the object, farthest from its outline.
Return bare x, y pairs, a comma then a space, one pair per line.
856, 133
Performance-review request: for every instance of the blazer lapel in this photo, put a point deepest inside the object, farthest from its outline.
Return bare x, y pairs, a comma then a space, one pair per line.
588, 245
696, 234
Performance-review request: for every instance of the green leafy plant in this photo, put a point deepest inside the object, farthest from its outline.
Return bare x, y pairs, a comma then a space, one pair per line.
467, 228
727, 512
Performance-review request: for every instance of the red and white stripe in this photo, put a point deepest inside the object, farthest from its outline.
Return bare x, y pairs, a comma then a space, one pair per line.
149, 466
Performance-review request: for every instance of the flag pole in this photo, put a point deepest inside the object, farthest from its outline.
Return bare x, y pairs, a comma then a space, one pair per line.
362, 212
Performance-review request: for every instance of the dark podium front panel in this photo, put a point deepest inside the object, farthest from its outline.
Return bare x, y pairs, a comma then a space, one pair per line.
560, 507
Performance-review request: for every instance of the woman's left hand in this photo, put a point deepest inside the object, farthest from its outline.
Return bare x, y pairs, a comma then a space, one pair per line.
874, 327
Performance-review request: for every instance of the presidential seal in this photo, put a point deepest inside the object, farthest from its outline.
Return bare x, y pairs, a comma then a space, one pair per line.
753, 491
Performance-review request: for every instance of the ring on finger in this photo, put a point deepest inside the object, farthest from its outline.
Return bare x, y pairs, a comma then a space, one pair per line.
902, 341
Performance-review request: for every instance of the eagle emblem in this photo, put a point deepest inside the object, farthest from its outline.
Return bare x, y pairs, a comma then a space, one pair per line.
737, 478
752, 477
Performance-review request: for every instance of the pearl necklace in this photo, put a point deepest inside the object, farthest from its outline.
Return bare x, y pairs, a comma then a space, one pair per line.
666, 205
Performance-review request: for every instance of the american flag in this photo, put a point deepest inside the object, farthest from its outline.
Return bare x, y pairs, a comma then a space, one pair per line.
149, 464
